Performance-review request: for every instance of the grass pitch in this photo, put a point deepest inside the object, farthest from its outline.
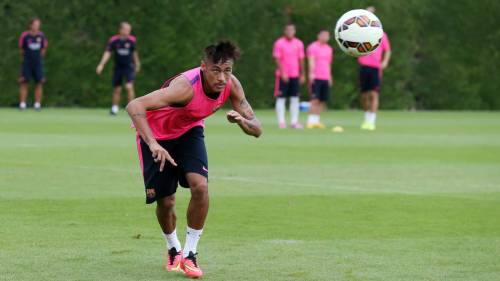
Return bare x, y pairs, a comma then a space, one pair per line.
418, 199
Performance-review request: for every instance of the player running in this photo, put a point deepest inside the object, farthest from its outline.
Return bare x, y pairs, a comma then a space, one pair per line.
33, 45
320, 57
370, 75
288, 52
171, 144
127, 63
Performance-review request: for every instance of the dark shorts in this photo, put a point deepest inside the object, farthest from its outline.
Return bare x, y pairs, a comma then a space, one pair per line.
120, 73
190, 154
32, 71
320, 90
290, 89
369, 79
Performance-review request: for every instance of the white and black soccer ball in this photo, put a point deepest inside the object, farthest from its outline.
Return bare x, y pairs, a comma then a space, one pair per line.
358, 32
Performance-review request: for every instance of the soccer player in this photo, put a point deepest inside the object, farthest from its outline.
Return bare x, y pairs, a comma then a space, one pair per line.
370, 75
288, 52
170, 122
127, 64
33, 45
320, 57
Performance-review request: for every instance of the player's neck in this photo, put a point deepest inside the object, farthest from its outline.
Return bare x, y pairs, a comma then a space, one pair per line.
33, 32
208, 92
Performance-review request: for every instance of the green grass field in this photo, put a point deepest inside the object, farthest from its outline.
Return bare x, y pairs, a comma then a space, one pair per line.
418, 199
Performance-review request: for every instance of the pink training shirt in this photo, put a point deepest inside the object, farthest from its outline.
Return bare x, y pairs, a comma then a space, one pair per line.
172, 122
322, 55
289, 53
375, 59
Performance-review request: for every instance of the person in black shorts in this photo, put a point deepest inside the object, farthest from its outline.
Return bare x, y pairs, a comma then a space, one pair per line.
170, 140
370, 76
288, 51
33, 45
320, 58
127, 64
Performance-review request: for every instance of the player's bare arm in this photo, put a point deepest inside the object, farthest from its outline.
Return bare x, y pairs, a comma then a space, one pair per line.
330, 81
283, 75
102, 63
302, 71
242, 113
45, 45
137, 62
178, 93
310, 60
386, 59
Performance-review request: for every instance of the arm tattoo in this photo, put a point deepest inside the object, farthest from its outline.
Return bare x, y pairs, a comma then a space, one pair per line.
249, 114
246, 109
249, 124
244, 104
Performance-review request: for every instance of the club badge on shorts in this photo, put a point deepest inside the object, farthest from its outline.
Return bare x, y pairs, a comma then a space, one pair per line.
150, 193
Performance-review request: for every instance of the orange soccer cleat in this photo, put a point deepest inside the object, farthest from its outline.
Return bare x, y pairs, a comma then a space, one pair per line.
190, 266
174, 260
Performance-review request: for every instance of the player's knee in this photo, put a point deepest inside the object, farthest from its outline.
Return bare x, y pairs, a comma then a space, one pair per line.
129, 86
199, 190
166, 202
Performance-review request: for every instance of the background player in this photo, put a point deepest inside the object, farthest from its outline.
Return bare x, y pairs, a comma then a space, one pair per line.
370, 75
171, 143
33, 45
320, 57
288, 52
127, 63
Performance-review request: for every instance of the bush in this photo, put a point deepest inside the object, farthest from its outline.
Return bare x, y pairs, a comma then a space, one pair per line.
444, 53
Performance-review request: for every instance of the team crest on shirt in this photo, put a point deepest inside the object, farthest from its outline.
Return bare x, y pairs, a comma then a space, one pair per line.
39, 39
127, 45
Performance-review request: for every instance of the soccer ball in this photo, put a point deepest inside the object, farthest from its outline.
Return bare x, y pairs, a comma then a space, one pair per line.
358, 32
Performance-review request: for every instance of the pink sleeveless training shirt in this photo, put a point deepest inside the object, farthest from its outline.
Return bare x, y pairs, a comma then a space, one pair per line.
172, 122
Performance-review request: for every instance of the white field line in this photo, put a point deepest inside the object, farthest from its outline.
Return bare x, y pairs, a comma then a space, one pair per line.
239, 179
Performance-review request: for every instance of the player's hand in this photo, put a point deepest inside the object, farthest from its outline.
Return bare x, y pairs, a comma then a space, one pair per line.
311, 78
302, 79
234, 117
99, 69
137, 68
285, 78
330, 82
160, 155
384, 65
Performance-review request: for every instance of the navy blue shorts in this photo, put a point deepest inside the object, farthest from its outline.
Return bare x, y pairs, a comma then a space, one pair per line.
190, 154
290, 89
120, 73
320, 90
32, 71
369, 79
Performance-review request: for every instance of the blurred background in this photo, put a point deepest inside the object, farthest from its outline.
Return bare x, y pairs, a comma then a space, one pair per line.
445, 53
